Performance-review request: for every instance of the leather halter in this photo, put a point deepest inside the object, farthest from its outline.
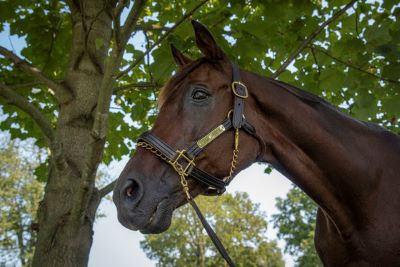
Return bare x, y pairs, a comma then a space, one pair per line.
186, 157
183, 161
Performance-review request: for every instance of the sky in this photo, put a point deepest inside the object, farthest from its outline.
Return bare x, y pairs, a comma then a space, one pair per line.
114, 245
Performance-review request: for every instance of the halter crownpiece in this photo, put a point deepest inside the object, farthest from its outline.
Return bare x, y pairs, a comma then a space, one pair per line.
183, 161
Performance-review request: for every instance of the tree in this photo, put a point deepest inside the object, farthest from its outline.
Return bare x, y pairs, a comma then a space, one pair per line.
296, 224
19, 197
238, 222
83, 75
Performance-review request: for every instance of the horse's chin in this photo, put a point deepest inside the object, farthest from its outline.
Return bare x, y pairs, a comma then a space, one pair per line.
150, 218
160, 220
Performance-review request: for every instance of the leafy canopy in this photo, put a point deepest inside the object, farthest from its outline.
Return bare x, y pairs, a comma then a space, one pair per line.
295, 223
239, 223
353, 62
20, 193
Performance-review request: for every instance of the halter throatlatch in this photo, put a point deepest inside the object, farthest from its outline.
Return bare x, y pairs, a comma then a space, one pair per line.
183, 161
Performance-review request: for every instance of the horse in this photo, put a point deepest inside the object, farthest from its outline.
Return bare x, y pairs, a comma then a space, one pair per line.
350, 168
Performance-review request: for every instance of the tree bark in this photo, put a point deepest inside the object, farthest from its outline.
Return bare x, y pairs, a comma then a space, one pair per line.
22, 253
64, 240
202, 252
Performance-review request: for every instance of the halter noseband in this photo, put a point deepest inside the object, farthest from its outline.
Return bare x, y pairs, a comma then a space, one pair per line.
183, 161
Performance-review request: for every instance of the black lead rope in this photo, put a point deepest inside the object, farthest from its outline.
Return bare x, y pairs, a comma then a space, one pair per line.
211, 233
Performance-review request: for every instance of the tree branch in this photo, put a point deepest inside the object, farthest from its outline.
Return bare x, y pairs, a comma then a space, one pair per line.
61, 92
316, 61
23, 85
310, 38
12, 98
350, 65
101, 116
136, 85
95, 148
131, 20
117, 19
107, 189
168, 32
120, 7
151, 27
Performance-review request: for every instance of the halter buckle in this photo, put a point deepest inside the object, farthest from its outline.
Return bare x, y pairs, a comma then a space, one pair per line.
235, 91
181, 155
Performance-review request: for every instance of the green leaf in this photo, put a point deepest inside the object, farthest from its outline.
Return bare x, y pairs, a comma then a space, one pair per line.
365, 105
41, 172
392, 105
378, 34
268, 170
392, 71
332, 79
163, 63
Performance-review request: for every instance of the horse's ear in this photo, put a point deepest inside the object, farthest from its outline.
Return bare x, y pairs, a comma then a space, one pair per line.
206, 43
180, 58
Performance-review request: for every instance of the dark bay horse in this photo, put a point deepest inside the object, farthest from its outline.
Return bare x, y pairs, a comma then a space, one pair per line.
351, 169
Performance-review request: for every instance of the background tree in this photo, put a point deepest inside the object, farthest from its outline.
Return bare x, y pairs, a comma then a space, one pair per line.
238, 222
81, 77
20, 193
295, 223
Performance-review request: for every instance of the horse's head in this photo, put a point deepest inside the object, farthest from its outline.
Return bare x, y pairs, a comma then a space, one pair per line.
194, 101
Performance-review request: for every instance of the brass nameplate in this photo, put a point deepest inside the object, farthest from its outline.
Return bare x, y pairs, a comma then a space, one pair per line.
211, 136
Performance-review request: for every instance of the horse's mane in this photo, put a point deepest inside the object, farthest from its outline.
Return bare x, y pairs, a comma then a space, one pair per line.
313, 99
301, 94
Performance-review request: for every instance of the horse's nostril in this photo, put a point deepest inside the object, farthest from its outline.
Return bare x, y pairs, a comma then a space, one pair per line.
129, 193
131, 189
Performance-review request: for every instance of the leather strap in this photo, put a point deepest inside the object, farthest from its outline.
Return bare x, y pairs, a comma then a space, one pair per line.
240, 93
248, 128
195, 150
212, 234
194, 172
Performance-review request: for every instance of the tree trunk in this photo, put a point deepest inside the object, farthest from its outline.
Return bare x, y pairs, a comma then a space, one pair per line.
22, 253
67, 212
202, 251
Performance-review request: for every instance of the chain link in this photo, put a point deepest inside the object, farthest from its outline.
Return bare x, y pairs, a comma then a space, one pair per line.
153, 150
176, 165
235, 156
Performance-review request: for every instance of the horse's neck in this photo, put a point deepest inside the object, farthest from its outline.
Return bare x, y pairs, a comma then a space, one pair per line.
320, 149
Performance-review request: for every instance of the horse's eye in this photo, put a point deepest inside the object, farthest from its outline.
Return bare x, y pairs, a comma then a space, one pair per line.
199, 94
